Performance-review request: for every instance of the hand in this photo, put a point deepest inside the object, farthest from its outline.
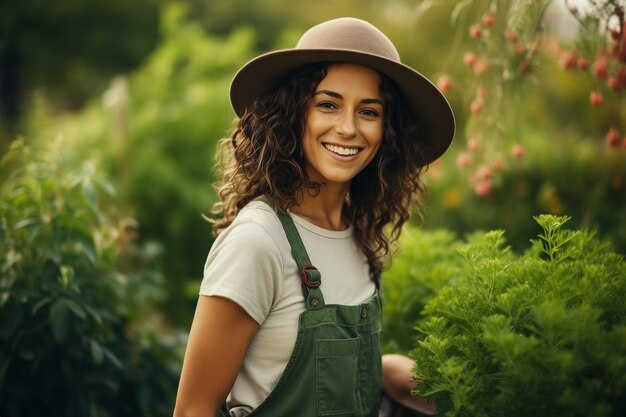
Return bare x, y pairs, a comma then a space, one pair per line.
398, 381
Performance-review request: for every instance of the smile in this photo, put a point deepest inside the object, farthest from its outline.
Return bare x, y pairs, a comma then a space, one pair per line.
340, 150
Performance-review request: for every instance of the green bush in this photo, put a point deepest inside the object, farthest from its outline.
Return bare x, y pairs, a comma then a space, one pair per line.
538, 334
75, 339
154, 133
426, 261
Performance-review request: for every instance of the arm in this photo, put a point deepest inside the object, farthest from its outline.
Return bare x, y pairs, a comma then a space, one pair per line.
219, 337
398, 381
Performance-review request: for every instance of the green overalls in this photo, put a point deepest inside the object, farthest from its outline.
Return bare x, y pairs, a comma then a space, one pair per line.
335, 367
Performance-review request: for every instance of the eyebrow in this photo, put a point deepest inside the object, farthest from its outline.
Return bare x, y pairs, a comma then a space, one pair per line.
339, 96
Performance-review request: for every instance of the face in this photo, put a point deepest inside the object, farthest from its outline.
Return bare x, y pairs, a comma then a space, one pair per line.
344, 124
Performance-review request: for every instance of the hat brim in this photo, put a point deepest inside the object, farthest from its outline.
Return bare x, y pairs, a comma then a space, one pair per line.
430, 108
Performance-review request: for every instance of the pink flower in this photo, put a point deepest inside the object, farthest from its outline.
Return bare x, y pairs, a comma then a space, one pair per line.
497, 164
477, 106
601, 67
470, 59
463, 160
517, 151
568, 60
613, 138
444, 83
511, 36
480, 67
596, 98
475, 31
473, 144
614, 83
489, 19
482, 188
483, 173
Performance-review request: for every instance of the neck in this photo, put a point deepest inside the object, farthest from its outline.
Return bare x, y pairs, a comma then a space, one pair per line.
324, 209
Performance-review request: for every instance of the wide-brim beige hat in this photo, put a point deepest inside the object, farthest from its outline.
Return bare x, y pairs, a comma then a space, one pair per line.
355, 41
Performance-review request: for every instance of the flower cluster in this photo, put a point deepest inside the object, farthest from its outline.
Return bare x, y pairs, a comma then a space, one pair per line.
498, 55
502, 51
606, 63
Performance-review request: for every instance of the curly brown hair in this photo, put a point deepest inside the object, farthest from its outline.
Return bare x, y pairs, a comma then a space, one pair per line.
263, 157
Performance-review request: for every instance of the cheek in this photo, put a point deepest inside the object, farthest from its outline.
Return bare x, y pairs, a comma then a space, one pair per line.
375, 141
376, 136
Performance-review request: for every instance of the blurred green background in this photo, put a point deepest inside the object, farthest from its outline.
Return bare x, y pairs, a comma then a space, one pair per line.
111, 112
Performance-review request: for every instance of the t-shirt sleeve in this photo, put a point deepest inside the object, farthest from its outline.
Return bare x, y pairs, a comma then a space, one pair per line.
245, 266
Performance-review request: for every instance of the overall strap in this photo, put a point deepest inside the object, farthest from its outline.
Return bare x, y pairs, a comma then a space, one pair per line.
309, 275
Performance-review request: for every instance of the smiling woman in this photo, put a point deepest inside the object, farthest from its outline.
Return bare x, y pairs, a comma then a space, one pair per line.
343, 126
328, 151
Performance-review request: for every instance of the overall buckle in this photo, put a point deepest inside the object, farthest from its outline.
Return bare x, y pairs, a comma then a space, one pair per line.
304, 276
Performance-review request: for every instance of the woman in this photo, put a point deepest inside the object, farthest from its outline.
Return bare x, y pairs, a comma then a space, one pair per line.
326, 157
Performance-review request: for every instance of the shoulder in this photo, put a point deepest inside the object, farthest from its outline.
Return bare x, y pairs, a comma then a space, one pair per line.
258, 226
255, 229
260, 213
246, 262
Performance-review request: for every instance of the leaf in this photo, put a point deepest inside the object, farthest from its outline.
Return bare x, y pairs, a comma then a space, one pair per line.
59, 320
75, 307
67, 275
88, 250
111, 356
96, 316
39, 305
104, 185
25, 223
96, 352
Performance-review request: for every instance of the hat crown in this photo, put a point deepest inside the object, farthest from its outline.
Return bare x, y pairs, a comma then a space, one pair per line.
349, 34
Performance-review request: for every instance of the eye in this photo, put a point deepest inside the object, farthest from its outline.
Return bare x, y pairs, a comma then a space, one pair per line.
370, 113
326, 105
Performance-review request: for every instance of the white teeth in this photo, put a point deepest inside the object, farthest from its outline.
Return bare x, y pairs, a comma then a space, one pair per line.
341, 151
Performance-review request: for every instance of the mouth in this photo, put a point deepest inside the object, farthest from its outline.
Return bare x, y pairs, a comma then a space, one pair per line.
342, 150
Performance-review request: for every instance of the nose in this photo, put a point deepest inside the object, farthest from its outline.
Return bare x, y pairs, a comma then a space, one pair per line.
346, 125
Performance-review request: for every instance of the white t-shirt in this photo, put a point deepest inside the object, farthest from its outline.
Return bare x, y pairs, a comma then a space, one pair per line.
251, 264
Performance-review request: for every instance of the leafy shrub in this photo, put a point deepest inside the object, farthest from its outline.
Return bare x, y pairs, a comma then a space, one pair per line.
73, 340
543, 333
426, 262
154, 133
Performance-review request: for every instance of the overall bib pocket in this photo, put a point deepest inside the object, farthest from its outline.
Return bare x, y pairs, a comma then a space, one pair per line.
336, 375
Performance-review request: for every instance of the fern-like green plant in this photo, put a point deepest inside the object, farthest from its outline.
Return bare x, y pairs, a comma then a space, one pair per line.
538, 334
427, 261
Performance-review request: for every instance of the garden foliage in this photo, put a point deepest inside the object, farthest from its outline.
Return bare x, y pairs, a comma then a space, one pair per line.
558, 175
154, 133
542, 333
426, 262
79, 334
